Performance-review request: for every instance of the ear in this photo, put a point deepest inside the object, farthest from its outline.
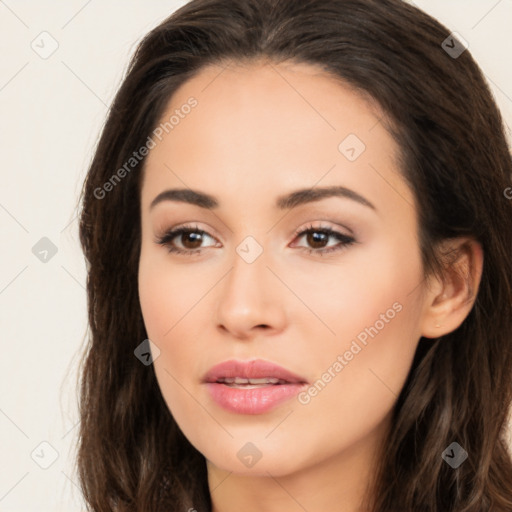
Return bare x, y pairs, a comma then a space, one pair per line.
450, 299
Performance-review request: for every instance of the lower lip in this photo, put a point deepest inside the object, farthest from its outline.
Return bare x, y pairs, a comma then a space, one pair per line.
252, 401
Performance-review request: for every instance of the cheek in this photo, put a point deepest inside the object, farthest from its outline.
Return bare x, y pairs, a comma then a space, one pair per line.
357, 383
164, 308
166, 301
166, 293
373, 317
171, 301
363, 289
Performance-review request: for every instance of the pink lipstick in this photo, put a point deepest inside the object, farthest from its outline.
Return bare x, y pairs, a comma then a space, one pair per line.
251, 387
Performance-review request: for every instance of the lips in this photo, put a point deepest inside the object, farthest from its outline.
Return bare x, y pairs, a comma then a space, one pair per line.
251, 387
255, 372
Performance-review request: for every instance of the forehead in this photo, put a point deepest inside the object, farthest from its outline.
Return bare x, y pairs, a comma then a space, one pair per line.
261, 124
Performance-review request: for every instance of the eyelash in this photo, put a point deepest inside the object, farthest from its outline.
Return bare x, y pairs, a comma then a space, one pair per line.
170, 235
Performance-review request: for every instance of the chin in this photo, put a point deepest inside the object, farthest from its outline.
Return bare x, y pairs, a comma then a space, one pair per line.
255, 459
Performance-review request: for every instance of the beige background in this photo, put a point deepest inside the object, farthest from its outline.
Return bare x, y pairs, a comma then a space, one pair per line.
52, 108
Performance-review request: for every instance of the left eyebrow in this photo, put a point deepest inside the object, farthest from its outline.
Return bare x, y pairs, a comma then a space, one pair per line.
284, 202
309, 195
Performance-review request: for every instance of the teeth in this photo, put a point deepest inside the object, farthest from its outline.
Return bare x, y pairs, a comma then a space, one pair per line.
270, 380
246, 386
255, 382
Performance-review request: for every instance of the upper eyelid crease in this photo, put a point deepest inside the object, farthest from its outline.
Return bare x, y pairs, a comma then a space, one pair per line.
285, 202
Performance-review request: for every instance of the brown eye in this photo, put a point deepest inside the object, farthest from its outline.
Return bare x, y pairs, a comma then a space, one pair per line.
185, 240
317, 239
191, 239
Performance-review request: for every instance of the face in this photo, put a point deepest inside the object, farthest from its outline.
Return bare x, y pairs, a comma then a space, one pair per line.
326, 285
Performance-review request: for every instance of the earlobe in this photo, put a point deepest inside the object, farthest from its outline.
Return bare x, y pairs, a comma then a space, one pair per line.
450, 299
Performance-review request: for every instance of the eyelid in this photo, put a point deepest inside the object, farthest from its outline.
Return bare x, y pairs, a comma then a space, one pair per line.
344, 240
212, 233
175, 231
322, 225
164, 228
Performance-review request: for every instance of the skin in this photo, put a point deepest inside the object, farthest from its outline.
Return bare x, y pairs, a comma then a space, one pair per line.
259, 131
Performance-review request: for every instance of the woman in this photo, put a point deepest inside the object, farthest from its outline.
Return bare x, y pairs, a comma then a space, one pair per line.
300, 285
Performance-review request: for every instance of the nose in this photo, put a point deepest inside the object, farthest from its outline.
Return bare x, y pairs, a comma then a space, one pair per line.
251, 300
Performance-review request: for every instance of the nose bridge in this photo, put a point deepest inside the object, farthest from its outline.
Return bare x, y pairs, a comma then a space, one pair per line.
248, 279
249, 296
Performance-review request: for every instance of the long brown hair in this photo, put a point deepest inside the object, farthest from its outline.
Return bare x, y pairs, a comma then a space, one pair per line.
454, 155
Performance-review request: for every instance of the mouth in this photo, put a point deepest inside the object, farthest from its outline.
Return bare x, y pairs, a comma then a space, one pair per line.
251, 387
241, 383
256, 372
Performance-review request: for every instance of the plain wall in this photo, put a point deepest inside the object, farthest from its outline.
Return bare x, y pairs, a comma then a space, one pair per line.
52, 109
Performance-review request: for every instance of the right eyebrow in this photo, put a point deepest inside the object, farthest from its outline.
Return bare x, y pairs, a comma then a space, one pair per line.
186, 195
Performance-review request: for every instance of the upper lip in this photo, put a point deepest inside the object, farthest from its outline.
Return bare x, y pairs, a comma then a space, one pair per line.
254, 369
